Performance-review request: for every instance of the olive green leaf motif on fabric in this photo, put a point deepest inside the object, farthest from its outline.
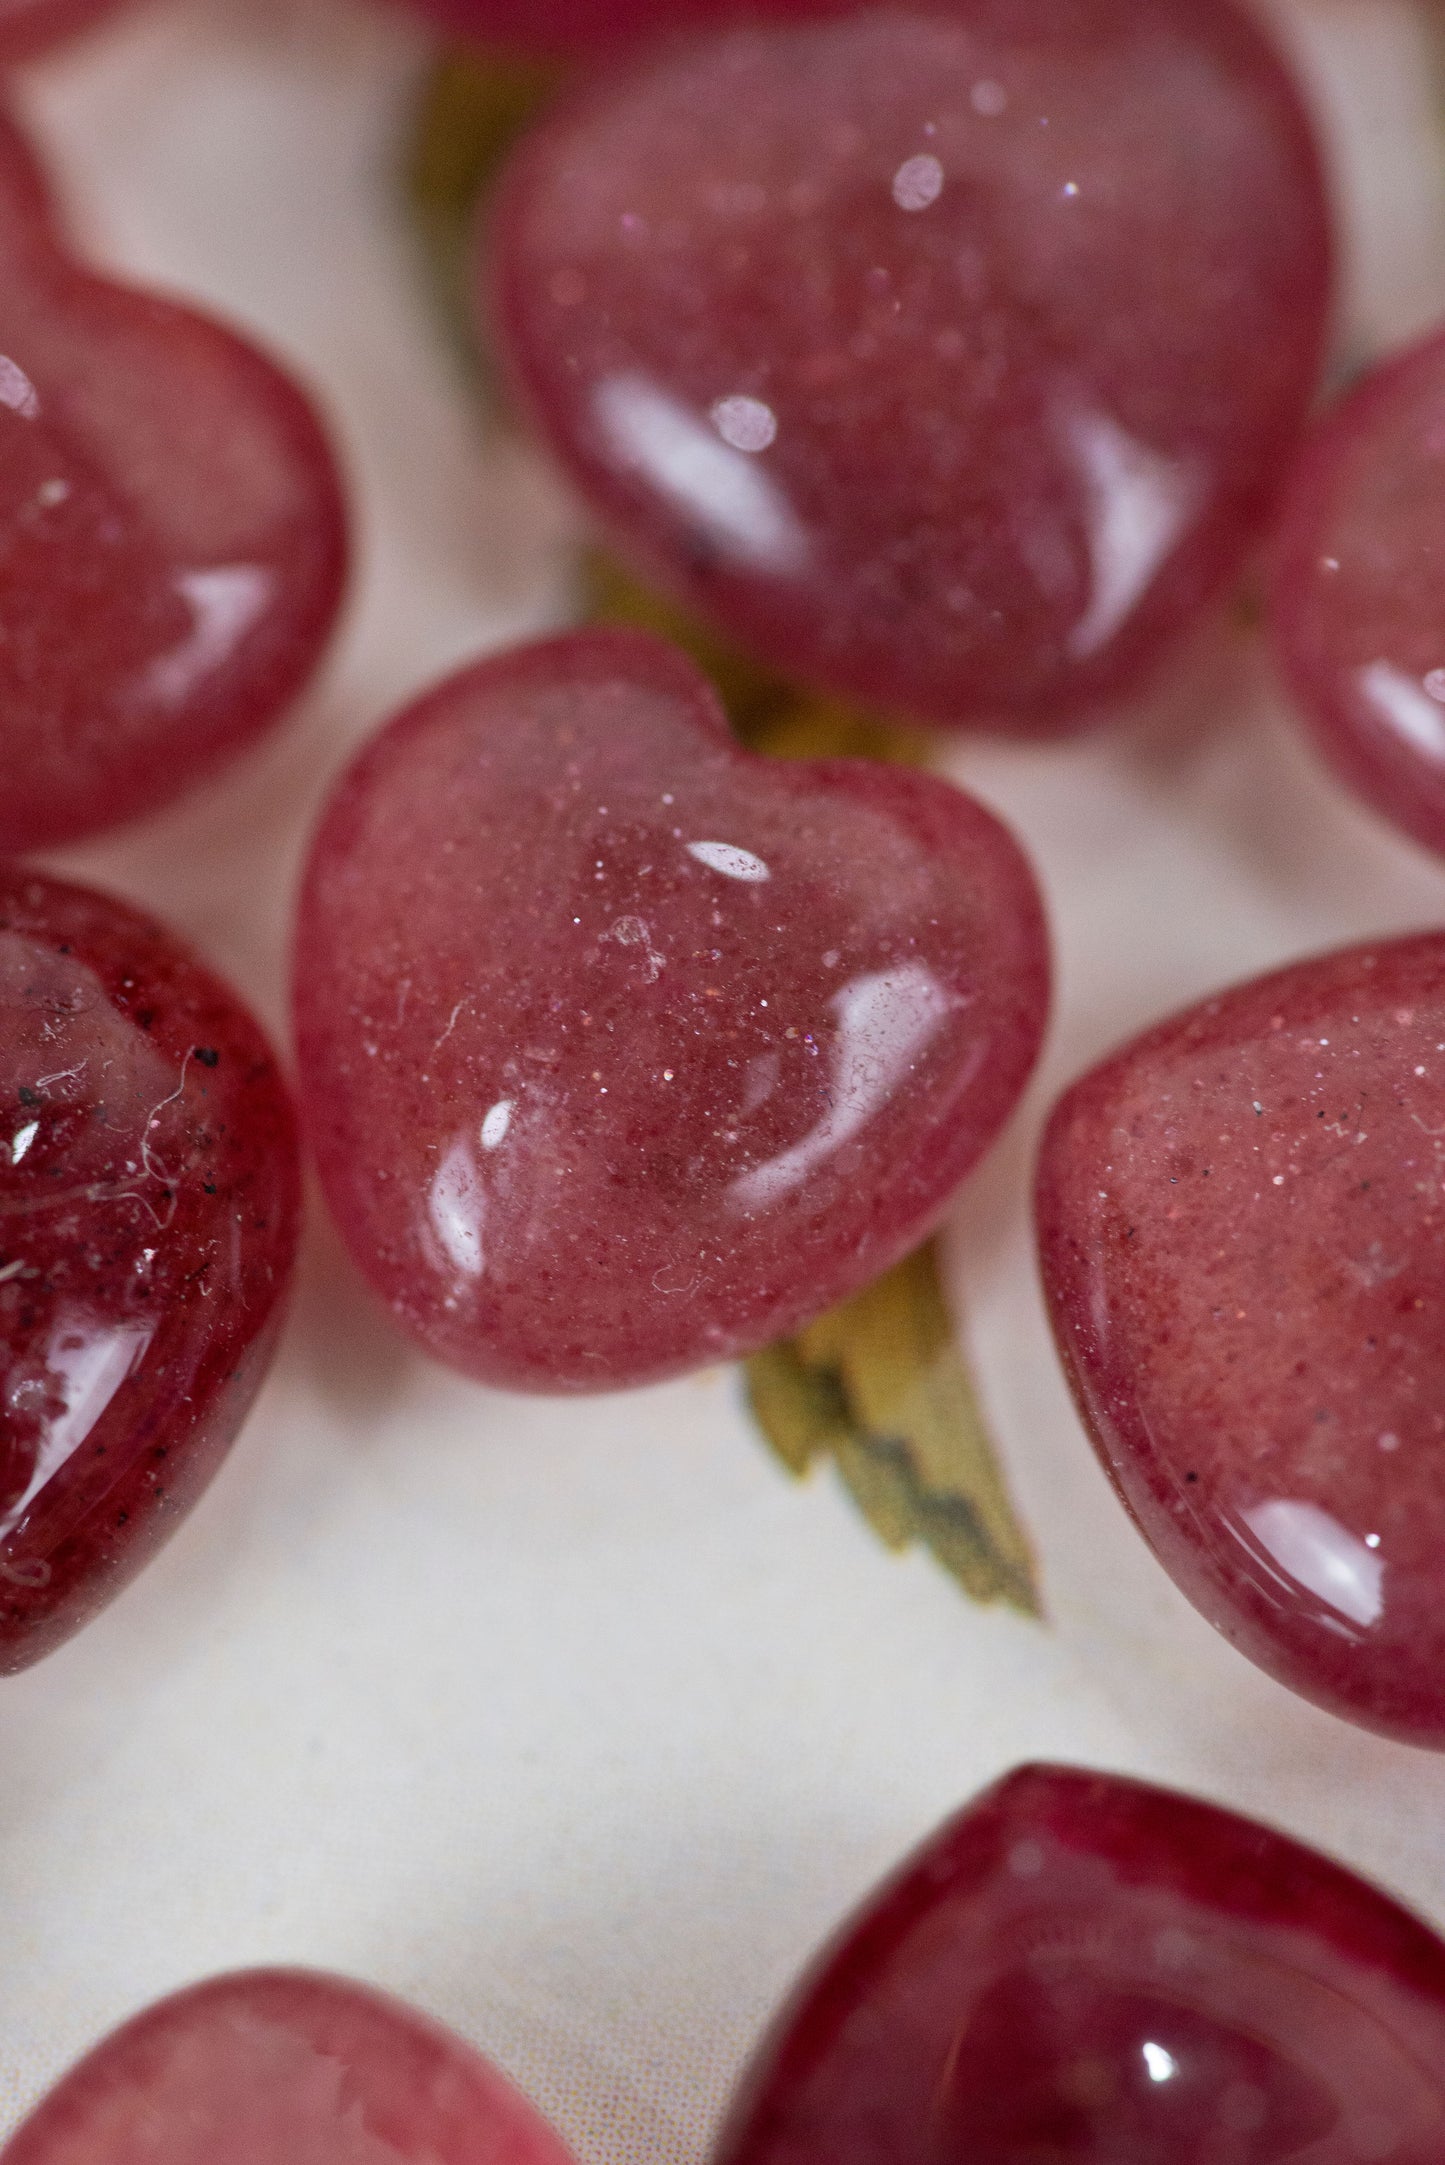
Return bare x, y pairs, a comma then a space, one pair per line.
471, 109
880, 1386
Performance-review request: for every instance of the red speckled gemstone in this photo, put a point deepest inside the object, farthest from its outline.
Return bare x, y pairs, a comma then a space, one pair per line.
148, 1217
624, 1050
1359, 590
1242, 1227
942, 356
29, 26
564, 26
172, 533
283, 2067
1080, 1970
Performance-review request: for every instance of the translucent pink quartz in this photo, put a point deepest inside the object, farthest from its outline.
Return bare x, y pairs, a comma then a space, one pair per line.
172, 531
623, 1050
944, 356
149, 1194
1080, 1970
283, 2067
1242, 1228
29, 26
1359, 595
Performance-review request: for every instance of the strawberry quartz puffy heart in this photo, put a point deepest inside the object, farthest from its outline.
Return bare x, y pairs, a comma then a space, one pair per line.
1358, 603
1080, 1970
148, 1216
172, 537
623, 1050
943, 356
29, 26
284, 2067
1242, 1232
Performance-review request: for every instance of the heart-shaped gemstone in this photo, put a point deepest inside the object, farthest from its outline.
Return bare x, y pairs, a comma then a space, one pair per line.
1242, 1231
1358, 609
624, 1050
172, 531
149, 1198
1080, 1970
284, 2067
940, 354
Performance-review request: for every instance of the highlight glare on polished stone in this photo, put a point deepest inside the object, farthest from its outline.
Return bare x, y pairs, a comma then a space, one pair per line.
942, 355
284, 2067
1081, 1970
172, 529
623, 1050
149, 1198
1242, 1233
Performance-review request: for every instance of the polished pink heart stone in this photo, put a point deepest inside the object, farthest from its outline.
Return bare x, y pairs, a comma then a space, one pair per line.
149, 1197
1080, 1970
944, 356
27, 27
1358, 598
172, 530
624, 1050
284, 2067
1242, 1232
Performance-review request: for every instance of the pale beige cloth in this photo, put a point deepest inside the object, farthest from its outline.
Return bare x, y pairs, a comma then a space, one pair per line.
578, 1724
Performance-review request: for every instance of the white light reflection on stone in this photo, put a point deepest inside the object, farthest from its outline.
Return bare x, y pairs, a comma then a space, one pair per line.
1317, 1553
732, 862
17, 391
885, 1022
1405, 707
88, 1360
457, 1207
724, 489
225, 604
745, 423
1139, 504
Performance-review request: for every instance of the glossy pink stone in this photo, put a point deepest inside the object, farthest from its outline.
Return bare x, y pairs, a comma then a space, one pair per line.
28, 27
1242, 1230
284, 2067
1080, 1970
1359, 595
579, 26
942, 356
624, 1050
149, 1193
172, 532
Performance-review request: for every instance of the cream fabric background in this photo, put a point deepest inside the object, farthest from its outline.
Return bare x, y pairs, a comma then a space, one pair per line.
579, 1724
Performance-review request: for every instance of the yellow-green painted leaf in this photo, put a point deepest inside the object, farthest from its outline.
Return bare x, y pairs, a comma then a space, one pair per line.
769, 714
880, 1385
471, 110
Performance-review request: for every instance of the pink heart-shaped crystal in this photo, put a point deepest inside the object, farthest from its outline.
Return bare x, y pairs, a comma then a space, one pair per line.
284, 2067
172, 529
624, 1050
945, 356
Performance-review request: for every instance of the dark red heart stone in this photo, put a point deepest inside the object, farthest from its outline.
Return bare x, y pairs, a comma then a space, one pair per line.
149, 1197
1080, 1970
